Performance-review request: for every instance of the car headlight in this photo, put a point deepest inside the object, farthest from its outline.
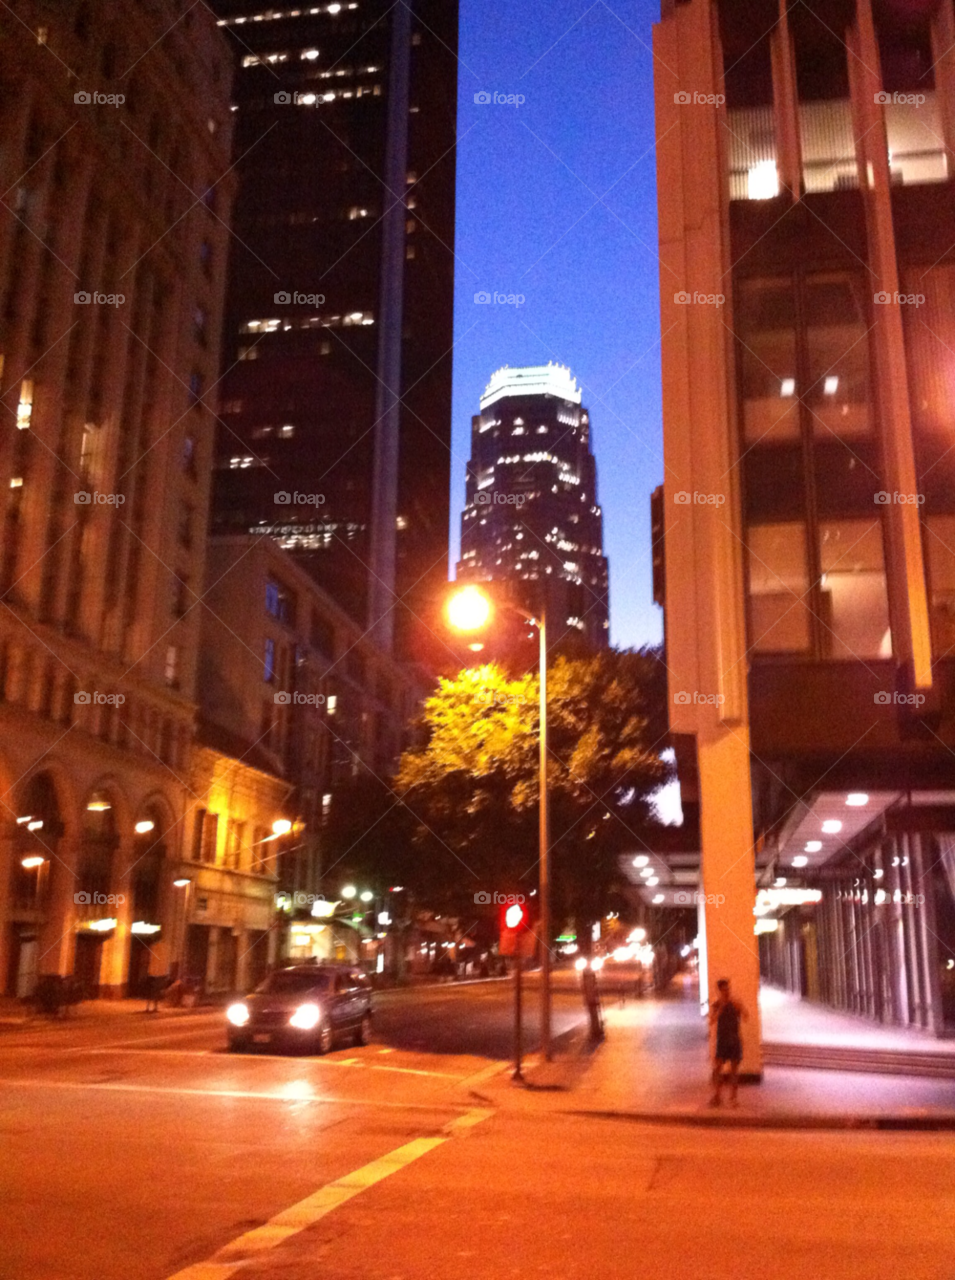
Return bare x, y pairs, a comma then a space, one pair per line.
305, 1017
238, 1014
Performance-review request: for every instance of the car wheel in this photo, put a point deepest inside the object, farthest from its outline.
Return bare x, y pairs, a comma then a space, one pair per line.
326, 1037
363, 1030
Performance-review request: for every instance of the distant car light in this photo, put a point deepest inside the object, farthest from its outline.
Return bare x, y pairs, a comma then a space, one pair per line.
581, 963
238, 1014
306, 1017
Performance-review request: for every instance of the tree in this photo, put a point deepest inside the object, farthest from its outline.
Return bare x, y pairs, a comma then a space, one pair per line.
473, 787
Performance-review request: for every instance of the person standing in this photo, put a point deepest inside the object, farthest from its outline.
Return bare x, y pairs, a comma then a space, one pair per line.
726, 1014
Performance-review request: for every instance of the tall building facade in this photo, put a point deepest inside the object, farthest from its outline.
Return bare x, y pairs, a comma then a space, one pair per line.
114, 156
531, 517
336, 389
806, 154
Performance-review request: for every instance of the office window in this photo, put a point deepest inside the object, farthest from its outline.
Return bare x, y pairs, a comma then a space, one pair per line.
269, 664
767, 330
853, 601
837, 353
279, 602
779, 610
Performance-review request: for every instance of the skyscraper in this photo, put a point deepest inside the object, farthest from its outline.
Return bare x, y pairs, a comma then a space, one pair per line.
531, 517
336, 385
805, 160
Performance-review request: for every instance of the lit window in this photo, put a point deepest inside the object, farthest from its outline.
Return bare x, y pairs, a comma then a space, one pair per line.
171, 670
25, 405
331, 703
269, 664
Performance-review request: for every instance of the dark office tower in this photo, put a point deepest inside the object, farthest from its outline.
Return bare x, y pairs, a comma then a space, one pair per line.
336, 392
531, 517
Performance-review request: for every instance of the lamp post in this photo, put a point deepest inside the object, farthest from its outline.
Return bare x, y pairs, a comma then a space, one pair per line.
469, 609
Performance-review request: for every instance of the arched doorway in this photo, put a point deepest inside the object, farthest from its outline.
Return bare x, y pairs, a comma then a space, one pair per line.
39, 829
95, 900
147, 941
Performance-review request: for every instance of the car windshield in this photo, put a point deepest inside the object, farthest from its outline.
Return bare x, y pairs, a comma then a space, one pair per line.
292, 983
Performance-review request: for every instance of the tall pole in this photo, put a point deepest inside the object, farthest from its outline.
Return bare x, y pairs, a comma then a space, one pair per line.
544, 884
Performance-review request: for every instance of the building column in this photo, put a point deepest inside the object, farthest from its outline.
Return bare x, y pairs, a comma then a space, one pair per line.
729, 881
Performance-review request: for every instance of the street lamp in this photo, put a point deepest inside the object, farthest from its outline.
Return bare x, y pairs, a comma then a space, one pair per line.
469, 609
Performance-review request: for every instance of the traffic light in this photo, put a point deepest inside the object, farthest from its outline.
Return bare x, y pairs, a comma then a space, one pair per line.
515, 923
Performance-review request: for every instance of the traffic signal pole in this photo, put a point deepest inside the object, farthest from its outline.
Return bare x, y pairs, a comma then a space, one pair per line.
544, 881
518, 1028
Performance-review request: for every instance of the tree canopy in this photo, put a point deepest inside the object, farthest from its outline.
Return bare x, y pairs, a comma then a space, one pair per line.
472, 787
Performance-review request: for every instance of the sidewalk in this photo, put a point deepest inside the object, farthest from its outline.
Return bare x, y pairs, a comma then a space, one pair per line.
653, 1066
14, 1013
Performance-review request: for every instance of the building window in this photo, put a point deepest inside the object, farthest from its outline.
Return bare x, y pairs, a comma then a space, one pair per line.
779, 611
195, 387
25, 405
837, 356
939, 532
269, 664
854, 606
189, 455
767, 329
279, 602
171, 669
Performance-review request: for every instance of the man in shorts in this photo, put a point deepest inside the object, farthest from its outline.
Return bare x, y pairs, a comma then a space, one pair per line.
726, 1014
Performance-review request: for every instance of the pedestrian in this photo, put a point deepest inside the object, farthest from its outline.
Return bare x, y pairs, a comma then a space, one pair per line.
588, 983
726, 1014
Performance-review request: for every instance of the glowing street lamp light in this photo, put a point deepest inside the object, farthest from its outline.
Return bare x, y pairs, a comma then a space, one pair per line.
349, 891
281, 827
469, 609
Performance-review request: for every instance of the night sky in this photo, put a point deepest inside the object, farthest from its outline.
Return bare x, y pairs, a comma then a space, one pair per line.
556, 202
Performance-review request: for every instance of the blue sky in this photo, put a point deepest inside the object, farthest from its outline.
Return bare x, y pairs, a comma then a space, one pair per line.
556, 202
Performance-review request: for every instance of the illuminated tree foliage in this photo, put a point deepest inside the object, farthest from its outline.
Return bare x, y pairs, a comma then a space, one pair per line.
472, 788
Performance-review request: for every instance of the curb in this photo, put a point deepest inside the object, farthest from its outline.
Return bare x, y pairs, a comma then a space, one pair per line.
923, 1123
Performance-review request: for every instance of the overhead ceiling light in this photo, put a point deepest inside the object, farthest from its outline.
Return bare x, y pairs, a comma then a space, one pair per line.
181, 883
98, 805
831, 826
30, 863
813, 846
641, 860
647, 871
801, 861
145, 826
658, 898
780, 882
857, 799
653, 880
787, 387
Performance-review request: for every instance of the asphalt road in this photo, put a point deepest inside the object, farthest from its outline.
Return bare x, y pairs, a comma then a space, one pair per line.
135, 1148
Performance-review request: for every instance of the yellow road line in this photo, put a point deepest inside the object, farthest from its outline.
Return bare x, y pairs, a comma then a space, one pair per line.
235, 1255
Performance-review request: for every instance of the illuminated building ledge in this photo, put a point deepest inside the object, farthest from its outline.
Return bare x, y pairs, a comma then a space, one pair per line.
537, 380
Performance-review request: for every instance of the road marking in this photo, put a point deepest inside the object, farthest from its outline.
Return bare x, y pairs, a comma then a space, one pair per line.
485, 1074
277, 1057
235, 1255
467, 1121
255, 1095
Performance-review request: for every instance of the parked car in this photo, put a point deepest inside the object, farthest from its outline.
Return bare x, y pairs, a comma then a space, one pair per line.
303, 1007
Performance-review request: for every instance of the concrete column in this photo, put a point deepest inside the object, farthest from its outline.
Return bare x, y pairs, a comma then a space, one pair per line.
729, 881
